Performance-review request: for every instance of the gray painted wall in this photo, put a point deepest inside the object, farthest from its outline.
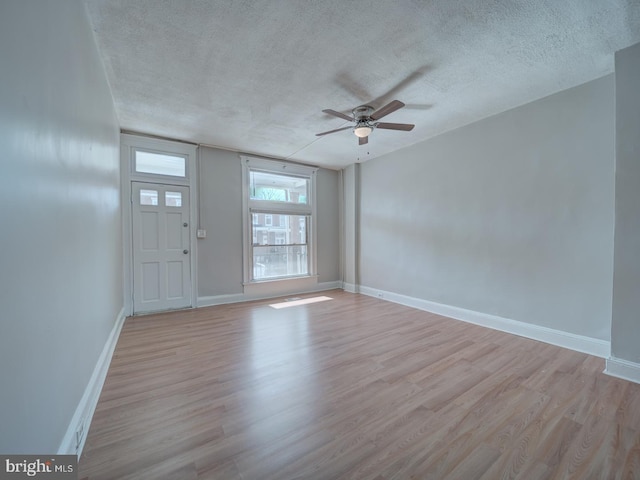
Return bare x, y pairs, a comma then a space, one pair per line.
61, 255
351, 181
625, 328
510, 216
220, 254
328, 211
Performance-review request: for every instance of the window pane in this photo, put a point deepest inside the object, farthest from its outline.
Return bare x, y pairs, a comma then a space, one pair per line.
279, 261
173, 199
160, 164
148, 197
276, 229
278, 188
279, 245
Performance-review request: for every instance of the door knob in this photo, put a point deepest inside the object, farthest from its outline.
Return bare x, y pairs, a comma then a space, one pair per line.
185, 251
185, 224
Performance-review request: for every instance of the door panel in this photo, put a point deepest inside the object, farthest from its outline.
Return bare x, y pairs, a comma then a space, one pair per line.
174, 231
149, 231
175, 276
161, 244
150, 278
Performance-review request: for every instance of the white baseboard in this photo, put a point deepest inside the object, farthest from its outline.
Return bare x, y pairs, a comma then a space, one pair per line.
572, 341
624, 369
244, 297
84, 411
210, 301
350, 287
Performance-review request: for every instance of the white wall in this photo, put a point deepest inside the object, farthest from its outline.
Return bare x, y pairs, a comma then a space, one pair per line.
220, 254
511, 216
625, 328
61, 256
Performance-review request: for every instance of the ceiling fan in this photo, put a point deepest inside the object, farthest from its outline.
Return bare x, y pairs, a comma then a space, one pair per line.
366, 120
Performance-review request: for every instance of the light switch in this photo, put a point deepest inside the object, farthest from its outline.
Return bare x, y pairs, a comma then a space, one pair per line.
201, 233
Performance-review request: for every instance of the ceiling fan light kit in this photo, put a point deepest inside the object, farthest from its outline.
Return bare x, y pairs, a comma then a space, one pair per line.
362, 131
365, 118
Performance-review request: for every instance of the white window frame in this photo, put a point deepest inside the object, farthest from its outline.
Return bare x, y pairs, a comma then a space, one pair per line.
249, 206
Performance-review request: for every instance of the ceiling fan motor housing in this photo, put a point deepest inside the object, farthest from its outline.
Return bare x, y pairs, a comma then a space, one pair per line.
362, 113
362, 116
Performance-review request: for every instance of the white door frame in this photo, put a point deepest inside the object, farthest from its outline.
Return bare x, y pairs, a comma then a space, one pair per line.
129, 143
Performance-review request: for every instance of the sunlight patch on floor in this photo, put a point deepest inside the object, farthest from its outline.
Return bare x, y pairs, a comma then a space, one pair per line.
302, 301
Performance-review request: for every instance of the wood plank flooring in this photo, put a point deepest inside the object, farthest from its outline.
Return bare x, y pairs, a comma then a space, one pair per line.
353, 388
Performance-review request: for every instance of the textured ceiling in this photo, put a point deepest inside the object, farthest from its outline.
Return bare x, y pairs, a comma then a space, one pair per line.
255, 75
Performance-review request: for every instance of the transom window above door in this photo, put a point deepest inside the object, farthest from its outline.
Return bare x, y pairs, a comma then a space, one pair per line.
160, 164
157, 160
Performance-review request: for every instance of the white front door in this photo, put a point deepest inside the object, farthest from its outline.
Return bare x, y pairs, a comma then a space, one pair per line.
161, 256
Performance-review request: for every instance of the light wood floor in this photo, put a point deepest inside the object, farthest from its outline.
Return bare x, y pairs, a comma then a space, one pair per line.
353, 388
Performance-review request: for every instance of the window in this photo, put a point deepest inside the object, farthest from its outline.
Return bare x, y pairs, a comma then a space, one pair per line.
160, 164
279, 220
148, 197
173, 199
282, 250
278, 187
